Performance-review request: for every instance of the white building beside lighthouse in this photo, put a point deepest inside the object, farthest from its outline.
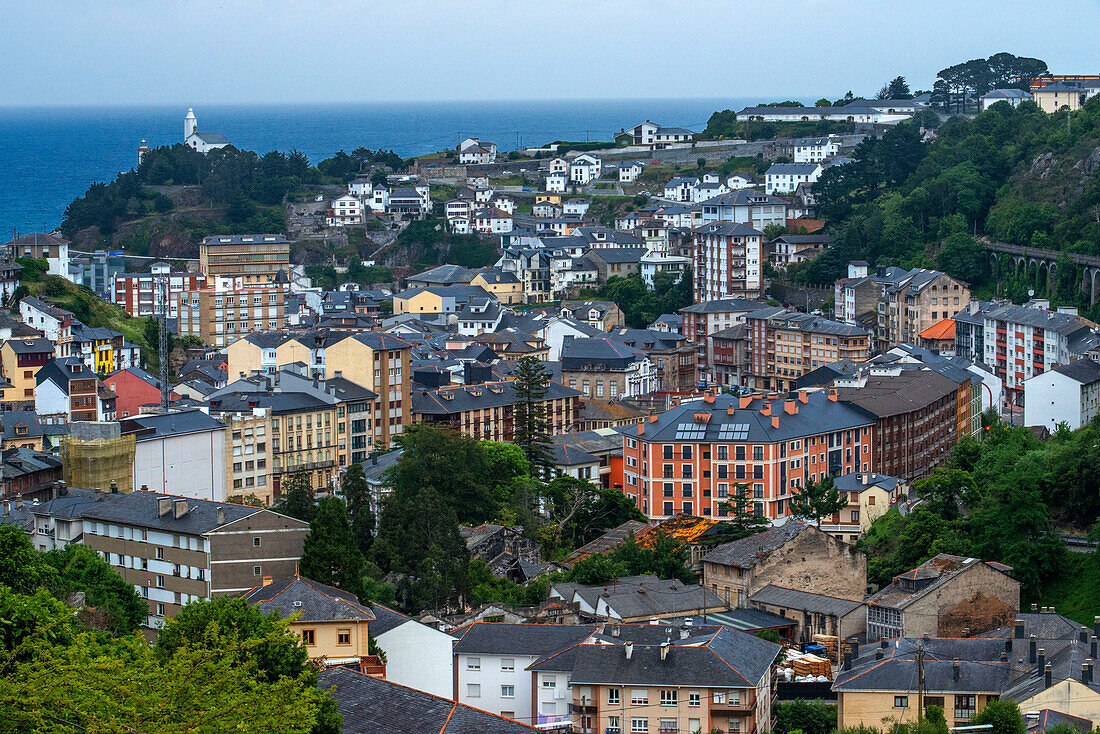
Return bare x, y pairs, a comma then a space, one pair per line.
202, 142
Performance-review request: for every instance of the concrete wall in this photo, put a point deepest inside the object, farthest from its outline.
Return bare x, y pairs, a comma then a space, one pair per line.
420, 657
190, 465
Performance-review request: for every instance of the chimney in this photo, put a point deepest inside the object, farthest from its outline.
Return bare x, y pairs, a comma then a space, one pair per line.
775, 421
267, 581
164, 506
766, 409
1092, 647
684, 633
883, 643
221, 516
629, 648
855, 649
19, 504
744, 401
180, 508
114, 487
615, 631
790, 407
955, 671
1034, 608
832, 394
1019, 629
1048, 676
878, 654
1083, 635
1096, 626
664, 650
1004, 656
1008, 645
338, 374
847, 661
803, 397
1042, 658
145, 488
62, 487
641, 429
1086, 674
1031, 650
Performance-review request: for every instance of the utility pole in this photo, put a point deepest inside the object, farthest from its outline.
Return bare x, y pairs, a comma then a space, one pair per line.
920, 681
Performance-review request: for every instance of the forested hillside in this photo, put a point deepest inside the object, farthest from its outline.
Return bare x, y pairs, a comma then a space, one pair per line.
1014, 175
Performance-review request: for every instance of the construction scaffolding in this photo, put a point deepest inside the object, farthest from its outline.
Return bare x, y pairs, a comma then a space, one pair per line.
95, 454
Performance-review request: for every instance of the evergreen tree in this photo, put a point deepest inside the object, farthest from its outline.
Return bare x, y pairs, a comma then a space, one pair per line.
743, 521
531, 424
360, 504
453, 465
297, 499
898, 88
329, 553
816, 500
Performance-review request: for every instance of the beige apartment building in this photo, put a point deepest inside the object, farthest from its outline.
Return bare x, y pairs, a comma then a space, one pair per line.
248, 454
915, 302
229, 310
257, 258
372, 360
785, 345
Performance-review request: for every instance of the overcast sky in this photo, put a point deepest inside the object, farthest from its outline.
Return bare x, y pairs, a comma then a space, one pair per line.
59, 52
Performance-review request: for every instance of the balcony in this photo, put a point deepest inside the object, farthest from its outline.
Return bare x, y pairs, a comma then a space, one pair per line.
744, 704
583, 708
612, 730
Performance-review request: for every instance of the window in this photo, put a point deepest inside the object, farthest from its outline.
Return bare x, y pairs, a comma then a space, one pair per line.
343, 637
933, 701
160, 582
473, 690
309, 637
639, 725
639, 696
693, 698
255, 542
668, 451
548, 681
613, 696
507, 663
669, 697
507, 691
613, 724
160, 610
256, 571
473, 663
964, 707
901, 702
160, 554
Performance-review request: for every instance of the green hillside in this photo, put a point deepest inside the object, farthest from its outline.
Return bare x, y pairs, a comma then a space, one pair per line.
1013, 175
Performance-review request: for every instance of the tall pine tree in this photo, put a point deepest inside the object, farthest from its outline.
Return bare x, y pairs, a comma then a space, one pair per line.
531, 430
329, 553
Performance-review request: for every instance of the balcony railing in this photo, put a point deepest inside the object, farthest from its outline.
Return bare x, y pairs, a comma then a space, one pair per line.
744, 704
583, 708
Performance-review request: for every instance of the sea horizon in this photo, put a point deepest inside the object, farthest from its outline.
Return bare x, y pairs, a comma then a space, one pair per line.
56, 152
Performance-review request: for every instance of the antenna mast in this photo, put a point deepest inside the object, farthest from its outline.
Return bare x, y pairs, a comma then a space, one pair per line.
160, 311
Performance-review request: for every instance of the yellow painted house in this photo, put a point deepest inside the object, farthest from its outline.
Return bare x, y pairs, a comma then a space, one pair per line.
506, 287
436, 299
331, 623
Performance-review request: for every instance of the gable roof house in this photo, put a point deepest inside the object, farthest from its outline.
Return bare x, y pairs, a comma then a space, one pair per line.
794, 555
332, 623
367, 704
638, 599
945, 596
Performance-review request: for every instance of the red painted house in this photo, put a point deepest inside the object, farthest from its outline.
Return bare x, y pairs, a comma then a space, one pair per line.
134, 387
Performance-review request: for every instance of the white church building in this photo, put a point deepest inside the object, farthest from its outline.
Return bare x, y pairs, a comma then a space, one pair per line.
202, 142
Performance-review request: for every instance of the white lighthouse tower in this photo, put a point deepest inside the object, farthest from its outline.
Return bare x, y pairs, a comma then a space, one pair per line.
190, 124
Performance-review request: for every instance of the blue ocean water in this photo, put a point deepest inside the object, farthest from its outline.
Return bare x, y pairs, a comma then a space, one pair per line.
51, 155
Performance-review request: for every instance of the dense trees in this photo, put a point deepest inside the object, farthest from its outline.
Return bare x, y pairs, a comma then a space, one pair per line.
641, 306
959, 83
817, 500
219, 666
531, 425
995, 500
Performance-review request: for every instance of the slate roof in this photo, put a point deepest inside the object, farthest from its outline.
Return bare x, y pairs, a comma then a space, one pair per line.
30, 346
853, 481
566, 455
1007, 94
212, 138
368, 704
1085, 371
646, 339
792, 169
477, 397
12, 418
725, 305
780, 318
619, 255
932, 574
1046, 719
896, 394
610, 354
61, 370
744, 553
385, 619
779, 596
980, 668
496, 638
728, 229
814, 416
313, 601
171, 424
744, 197
728, 659
611, 539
